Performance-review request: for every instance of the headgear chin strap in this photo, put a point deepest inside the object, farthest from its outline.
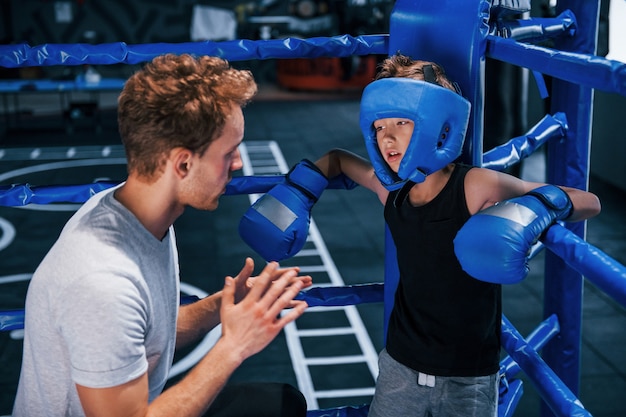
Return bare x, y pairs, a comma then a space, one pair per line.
440, 118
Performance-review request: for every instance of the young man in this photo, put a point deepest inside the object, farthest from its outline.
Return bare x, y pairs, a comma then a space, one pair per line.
102, 311
443, 342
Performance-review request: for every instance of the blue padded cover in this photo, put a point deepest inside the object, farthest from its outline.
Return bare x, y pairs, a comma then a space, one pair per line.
440, 116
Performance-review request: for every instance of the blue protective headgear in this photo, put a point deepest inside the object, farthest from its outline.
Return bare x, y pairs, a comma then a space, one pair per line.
440, 116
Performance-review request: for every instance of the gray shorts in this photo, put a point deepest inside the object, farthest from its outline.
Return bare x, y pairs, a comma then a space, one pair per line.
401, 391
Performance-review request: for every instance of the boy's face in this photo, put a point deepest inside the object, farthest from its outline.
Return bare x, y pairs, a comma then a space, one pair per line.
393, 136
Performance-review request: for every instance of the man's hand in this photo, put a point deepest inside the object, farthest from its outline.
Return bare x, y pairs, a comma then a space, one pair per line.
251, 324
244, 282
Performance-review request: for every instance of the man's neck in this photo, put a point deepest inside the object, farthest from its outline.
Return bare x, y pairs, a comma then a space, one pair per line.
152, 203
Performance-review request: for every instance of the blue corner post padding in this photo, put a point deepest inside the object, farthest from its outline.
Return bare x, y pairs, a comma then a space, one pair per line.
453, 34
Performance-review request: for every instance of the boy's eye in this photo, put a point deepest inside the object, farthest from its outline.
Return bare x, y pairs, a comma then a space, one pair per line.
378, 128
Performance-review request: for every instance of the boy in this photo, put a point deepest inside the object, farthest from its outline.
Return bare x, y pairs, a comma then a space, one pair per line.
443, 341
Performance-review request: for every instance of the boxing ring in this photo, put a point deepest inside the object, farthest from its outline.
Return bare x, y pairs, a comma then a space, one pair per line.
457, 35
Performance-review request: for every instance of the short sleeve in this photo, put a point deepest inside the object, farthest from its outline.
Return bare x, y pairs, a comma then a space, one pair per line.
104, 323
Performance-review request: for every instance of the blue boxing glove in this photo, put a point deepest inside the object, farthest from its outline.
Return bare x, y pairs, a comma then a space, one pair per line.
277, 224
494, 244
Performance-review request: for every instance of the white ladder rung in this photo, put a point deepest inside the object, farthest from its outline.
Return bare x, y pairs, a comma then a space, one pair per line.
335, 360
266, 170
312, 268
321, 309
332, 331
307, 252
340, 393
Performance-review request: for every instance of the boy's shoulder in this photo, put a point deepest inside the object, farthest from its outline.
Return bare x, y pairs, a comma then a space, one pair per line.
462, 169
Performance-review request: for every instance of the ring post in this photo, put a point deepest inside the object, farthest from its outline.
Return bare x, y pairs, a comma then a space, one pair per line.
568, 164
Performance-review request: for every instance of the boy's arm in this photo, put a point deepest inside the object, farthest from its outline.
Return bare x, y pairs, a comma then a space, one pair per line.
485, 187
277, 224
495, 243
585, 204
358, 169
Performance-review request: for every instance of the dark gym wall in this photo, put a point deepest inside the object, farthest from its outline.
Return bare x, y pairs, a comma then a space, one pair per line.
100, 21
608, 143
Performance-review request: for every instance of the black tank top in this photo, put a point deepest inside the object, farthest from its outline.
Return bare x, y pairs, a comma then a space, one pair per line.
443, 321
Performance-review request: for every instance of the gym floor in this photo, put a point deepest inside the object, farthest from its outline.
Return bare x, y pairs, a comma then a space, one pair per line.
36, 149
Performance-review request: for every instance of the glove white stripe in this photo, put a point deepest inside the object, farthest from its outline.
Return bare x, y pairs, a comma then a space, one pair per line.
276, 212
511, 211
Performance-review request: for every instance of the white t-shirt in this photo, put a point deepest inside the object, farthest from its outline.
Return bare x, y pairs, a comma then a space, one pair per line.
101, 310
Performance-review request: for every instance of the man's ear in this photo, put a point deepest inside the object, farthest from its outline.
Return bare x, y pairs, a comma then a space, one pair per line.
181, 159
